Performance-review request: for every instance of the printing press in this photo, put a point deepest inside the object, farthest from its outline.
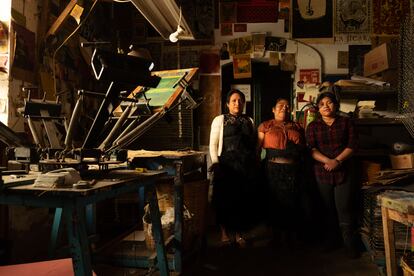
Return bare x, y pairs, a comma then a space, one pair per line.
122, 116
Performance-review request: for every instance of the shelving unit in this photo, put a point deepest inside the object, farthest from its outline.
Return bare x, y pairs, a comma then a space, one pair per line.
377, 121
367, 93
377, 134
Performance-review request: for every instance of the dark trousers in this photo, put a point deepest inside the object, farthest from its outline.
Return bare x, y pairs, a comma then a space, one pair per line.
337, 201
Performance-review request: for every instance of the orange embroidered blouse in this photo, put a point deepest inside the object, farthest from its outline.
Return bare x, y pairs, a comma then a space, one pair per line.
276, 134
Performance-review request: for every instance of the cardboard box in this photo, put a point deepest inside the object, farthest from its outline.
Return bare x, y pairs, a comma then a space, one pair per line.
379, 59
402, 161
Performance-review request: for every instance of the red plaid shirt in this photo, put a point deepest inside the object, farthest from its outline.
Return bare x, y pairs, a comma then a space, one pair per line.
331, 141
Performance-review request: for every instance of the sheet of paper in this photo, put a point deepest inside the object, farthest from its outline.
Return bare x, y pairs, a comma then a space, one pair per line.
348, 105
366, 104
311, 93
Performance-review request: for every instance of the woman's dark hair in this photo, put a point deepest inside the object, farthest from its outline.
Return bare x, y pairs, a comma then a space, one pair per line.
329, 95
280, 99
234, 91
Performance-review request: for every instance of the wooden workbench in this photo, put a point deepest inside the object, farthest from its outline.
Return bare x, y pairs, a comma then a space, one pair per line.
73, 204
395, 206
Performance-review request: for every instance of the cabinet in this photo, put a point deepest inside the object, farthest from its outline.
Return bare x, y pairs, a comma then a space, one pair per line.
377, 135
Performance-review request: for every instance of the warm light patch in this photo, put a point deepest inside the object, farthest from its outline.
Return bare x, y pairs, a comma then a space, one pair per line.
5, 10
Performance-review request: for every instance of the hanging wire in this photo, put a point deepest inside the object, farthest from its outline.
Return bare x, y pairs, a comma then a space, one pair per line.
64, 42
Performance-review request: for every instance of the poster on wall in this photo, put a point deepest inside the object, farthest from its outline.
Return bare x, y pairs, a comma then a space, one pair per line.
3, 38
352, 16
242, 67
273, 58
258, 41
387, 15
202, 21
245, 89
312, 19
23, 55
352, 21
309, 76
274, 43
343, 59
241, 45
288, 62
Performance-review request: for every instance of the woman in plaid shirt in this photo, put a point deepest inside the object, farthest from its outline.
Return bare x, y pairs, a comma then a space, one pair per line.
332, 140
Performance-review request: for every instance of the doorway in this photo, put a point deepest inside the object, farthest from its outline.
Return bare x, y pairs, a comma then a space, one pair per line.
267, 84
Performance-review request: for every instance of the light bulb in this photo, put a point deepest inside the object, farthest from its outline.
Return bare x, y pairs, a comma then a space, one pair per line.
174, 36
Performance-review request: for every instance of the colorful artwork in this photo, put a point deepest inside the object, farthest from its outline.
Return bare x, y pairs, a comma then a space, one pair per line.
387, 15
241, 45
242, 67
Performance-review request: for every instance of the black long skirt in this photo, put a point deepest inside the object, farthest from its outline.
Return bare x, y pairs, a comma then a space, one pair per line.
236, 192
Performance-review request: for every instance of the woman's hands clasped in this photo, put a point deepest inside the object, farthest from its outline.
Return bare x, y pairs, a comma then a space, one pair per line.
331, 165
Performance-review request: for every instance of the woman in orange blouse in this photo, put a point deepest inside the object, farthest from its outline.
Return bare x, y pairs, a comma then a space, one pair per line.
283, 141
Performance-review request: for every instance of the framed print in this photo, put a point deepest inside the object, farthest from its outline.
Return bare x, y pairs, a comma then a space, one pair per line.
312, 19
242, 67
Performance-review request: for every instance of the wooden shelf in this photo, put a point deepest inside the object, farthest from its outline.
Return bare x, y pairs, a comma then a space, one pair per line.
377, 121
366, 93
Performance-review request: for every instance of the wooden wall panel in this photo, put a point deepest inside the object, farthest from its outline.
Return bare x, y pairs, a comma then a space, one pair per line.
209, 86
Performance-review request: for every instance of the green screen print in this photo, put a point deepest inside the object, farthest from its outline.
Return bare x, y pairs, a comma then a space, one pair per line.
160, 95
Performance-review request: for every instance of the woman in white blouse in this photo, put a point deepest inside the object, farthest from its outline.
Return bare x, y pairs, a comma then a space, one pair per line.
233, 141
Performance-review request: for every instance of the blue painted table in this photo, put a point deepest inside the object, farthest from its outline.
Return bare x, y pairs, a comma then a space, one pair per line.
73, 204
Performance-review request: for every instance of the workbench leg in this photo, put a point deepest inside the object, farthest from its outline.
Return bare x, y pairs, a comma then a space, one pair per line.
389, 243
178, 219
78, 240
55, 231
90, 219
141, 201
157, 231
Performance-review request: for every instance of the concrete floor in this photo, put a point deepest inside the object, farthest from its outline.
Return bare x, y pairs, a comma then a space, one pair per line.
260, 258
